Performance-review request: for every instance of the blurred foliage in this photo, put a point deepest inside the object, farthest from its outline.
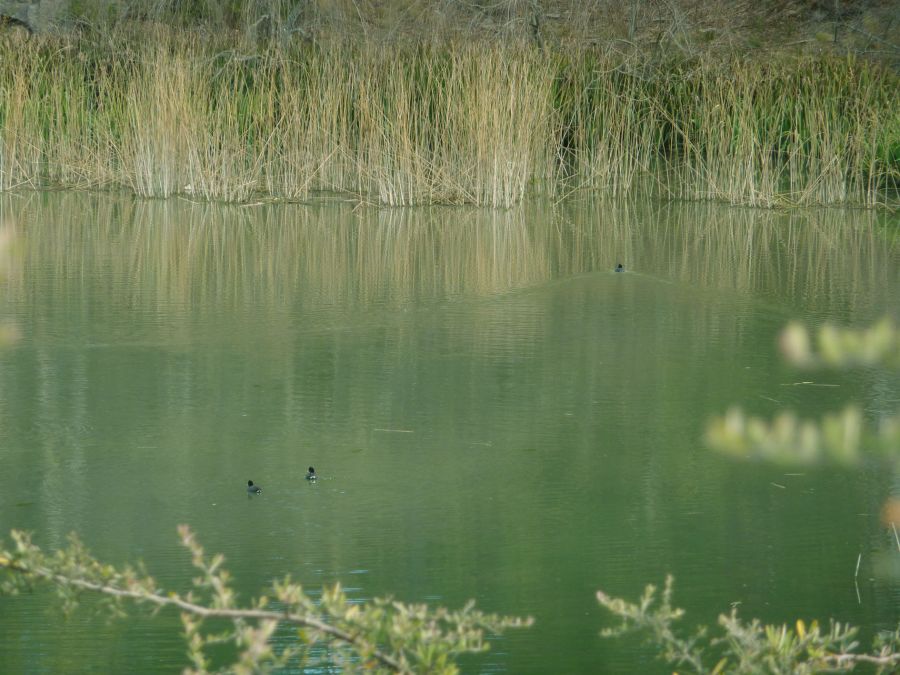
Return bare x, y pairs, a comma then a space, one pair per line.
842, 438
747, 647
381, 635
835, 347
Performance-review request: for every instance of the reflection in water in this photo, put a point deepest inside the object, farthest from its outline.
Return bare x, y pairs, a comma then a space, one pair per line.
9, 332
192, 254
494, 413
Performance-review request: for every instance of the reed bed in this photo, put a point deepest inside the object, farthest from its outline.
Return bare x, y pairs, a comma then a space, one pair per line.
810, 132
487, 124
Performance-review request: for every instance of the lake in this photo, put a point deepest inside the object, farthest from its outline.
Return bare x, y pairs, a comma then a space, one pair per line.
494, 413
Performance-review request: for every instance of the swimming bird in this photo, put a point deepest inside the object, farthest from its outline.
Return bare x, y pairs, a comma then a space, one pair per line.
253, 489
311, 474
620, 268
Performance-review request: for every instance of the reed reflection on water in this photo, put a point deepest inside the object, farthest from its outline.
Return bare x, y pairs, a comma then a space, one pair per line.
495, 414
193, 254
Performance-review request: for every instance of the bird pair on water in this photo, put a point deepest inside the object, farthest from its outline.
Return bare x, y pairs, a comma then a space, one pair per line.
256, 489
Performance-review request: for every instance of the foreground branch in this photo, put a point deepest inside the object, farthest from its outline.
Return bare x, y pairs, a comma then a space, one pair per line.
385, 635
747, 647
175, 600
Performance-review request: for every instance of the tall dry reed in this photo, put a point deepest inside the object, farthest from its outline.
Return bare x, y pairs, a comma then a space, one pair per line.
483, 123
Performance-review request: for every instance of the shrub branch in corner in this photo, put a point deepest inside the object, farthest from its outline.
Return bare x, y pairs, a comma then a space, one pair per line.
382, 635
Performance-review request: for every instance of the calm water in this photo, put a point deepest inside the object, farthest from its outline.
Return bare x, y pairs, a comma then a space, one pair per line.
494, 413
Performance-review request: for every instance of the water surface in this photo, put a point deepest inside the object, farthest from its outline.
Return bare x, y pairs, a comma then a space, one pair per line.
495, 414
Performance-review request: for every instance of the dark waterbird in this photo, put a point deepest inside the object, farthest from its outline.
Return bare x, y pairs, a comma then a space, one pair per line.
620, 267
311, 474
253, 489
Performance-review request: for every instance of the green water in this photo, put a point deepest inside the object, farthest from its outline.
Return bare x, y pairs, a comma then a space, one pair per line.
494, 413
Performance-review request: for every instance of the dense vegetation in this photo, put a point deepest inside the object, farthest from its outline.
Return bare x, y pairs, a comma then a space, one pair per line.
485, 123
411, 102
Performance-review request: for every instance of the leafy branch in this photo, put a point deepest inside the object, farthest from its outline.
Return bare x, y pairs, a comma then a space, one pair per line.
382, 635
659, 621
748, 647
